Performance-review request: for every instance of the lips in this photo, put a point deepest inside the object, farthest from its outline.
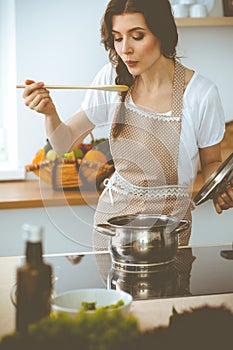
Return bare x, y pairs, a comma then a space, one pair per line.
131, 63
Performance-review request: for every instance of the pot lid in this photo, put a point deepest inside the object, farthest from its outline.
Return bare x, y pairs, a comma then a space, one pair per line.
221, 176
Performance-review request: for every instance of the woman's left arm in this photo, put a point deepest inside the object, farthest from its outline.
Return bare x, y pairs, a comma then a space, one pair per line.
211, 159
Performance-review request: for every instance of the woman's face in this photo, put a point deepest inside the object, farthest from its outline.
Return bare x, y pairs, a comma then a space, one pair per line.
136, 45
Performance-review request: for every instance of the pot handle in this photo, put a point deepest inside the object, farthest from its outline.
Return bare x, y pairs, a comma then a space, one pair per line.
184, 225
105, 229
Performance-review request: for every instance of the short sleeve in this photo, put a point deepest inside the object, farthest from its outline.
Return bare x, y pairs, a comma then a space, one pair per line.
212, 120
98, 105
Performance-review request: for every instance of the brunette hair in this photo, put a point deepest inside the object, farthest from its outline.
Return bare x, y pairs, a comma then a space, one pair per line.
160, 21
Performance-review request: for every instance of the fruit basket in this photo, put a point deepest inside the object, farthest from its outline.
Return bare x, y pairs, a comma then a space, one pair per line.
85, 167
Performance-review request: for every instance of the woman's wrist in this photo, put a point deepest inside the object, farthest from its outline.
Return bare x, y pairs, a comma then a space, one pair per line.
52, 122
51, 115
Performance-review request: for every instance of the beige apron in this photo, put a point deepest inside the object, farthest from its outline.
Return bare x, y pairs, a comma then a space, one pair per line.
145, 156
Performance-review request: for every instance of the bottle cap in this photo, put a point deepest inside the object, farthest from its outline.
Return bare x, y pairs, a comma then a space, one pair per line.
33, 233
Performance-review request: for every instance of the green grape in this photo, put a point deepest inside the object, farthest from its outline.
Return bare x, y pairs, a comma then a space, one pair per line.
51, 155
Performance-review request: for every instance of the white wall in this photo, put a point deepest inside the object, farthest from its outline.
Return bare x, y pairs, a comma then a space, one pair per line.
58, 41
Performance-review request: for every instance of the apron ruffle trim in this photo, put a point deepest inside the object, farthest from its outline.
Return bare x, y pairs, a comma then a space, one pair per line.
120, 185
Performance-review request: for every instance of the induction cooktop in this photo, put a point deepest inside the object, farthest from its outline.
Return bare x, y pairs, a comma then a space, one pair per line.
195, 271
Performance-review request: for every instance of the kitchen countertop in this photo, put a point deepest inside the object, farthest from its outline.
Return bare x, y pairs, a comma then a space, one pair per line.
36, 194
194, 284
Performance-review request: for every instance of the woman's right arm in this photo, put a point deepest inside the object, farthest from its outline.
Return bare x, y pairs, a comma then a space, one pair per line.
63, 137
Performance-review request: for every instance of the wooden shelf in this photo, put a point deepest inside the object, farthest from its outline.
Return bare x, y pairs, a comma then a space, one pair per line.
204, 22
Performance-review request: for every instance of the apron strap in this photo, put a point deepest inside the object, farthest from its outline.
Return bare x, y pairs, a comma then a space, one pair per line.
178, 89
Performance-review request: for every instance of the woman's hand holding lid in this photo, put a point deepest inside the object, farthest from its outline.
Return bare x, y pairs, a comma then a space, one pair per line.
224, 197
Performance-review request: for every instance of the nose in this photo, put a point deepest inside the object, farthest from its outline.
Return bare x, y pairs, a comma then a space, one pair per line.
126, 47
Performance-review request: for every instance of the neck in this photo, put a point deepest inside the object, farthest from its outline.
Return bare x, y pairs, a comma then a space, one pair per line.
159, 75
154, 90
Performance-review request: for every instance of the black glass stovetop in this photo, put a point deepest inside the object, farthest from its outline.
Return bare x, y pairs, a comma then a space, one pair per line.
195, 271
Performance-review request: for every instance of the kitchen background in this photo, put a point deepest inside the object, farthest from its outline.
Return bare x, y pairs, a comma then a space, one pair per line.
58, 42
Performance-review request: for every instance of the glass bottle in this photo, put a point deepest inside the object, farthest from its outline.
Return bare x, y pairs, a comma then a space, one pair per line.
34, 282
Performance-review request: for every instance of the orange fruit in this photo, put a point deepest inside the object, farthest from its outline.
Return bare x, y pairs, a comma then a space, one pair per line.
94, 155
39, 157
91, 164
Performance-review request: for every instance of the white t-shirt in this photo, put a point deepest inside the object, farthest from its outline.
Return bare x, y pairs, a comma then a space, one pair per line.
203, 122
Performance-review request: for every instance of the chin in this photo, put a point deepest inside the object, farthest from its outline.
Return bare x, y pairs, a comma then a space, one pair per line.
134, 71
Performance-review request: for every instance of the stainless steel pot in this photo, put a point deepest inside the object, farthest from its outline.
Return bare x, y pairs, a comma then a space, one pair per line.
143, 238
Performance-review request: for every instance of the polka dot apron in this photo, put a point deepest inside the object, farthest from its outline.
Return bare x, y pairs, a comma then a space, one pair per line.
145, 156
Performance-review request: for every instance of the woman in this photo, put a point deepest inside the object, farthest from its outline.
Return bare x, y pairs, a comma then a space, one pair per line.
169, 118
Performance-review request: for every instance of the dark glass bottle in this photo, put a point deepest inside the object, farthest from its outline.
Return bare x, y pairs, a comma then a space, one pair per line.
34, 282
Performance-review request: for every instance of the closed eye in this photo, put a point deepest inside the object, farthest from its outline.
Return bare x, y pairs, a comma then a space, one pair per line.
118, 39
138, 37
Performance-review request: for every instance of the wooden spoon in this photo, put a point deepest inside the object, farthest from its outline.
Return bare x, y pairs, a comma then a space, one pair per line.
117, 88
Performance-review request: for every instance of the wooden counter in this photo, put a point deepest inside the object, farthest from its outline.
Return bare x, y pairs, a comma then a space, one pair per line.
36, 194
